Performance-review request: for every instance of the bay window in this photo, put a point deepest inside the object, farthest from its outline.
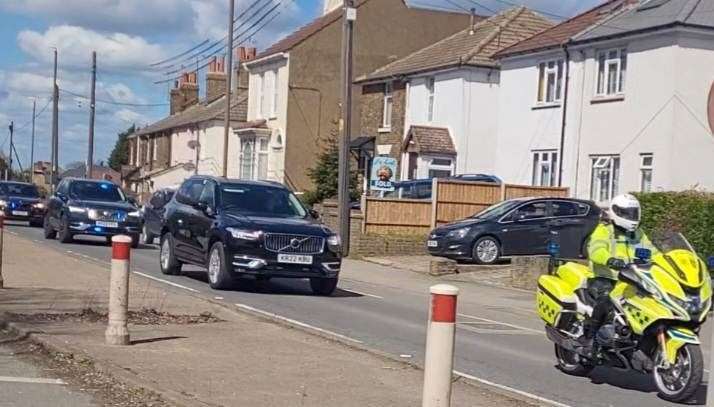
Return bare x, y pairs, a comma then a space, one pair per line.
611, 72
254, 158
441, 167
605, 178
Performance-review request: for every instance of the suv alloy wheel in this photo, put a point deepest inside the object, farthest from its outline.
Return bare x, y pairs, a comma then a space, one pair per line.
218, 277
167, 258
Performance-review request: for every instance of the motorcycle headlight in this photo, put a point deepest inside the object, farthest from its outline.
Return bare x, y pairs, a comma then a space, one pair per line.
76, 209
693, 305
458, 233
334, 241
244, 234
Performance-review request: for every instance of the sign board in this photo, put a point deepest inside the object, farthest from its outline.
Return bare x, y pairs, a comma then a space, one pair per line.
383, 171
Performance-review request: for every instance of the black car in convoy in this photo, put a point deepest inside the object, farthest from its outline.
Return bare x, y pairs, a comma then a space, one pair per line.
239, 228
89, 207
21, 201
153, 214
517, 227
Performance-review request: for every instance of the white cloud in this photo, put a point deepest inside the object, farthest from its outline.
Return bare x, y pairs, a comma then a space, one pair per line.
129, 117
130, 16
115, 51
119, 92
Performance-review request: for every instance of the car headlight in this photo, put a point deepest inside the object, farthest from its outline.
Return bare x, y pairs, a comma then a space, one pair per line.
3, 202
76, 209
334, 241
458, 233
39, 205
244, 234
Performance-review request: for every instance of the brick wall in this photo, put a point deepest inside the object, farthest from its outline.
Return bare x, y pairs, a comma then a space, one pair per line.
372, 110
364, 245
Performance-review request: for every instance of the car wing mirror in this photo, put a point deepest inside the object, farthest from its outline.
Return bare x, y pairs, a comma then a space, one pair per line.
314, 214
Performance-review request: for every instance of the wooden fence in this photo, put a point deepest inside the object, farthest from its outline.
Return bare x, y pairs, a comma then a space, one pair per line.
451, 200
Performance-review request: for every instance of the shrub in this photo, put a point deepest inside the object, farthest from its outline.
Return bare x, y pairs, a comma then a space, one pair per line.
690, 213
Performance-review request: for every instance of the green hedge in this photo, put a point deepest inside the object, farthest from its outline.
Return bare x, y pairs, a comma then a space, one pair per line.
689, 212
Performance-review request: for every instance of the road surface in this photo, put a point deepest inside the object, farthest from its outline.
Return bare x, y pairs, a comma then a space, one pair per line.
500, 339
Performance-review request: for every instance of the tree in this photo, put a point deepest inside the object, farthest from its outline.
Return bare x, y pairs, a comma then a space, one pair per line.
120, 154
325, 173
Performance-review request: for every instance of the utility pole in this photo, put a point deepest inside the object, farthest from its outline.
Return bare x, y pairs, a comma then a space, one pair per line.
55, 128
349, 15
229, 85
92, 103
8, 175
32, 142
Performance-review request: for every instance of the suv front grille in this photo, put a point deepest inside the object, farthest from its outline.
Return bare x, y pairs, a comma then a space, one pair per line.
284, 243
107, 215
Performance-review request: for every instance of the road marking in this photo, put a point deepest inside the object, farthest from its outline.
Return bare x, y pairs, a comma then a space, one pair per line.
35, 380
502, 323
295, 322
166, 282
511, 389
361, 293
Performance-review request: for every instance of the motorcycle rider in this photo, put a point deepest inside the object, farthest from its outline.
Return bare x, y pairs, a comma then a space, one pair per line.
611, 248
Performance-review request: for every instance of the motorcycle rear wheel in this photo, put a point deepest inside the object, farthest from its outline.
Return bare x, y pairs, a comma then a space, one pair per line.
681, 381
571, 363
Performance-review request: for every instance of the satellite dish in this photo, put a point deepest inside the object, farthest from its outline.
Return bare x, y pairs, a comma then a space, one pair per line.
193, 144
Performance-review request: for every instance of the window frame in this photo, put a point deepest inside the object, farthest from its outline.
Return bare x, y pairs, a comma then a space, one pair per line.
611, 163
544, 71
256, 153
537, 173
440, 167
387, 106
430, 98
602, 79
154, 149
274, 96
260, 99
646, 168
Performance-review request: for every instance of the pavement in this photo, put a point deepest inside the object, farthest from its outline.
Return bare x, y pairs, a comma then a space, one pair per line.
244, 359
25, 385
500, 341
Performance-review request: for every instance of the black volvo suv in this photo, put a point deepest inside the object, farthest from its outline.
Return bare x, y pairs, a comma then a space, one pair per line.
88, 207
239, 228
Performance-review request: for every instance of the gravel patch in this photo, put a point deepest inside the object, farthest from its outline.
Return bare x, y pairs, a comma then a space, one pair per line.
145, 316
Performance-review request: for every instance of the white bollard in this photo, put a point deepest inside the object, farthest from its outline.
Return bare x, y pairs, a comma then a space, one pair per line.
439, 358
117, 332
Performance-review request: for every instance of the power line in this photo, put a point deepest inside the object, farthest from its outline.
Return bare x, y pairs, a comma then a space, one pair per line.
181, 54
219, 49
26, 124
268, 21
216, 43
114, 103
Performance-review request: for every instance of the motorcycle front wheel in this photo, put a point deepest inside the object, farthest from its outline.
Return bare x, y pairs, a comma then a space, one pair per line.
571, 363
680, 381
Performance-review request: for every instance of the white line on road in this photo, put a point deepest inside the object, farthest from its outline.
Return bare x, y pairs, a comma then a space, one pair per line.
35, 380
502, 323
511, 390
294, 322
361, 293
166, 282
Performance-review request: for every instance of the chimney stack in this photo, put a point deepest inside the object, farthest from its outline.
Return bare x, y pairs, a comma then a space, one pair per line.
216, 79
242, 56
185, 92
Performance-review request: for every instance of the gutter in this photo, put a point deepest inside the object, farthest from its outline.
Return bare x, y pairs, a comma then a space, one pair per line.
565, 114
269, 58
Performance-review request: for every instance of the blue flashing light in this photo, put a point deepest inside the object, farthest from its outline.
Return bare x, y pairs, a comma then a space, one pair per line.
104, 185
97, 229
643, 254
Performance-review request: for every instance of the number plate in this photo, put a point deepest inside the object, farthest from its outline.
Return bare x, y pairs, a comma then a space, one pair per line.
107, 224
294, 259
432, 243
20, 213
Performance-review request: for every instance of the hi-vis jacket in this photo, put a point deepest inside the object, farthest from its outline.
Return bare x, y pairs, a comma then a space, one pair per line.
606, 242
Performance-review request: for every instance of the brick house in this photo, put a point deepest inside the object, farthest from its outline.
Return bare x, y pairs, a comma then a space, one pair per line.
190, 139
295, 83
435, 110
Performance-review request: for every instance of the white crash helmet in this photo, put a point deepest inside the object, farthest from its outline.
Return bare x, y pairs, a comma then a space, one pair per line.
625, 212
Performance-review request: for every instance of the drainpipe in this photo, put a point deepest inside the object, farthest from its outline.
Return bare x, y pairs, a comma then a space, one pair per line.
565, 114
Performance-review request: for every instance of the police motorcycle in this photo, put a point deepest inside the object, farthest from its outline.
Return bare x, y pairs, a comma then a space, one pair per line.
660, 303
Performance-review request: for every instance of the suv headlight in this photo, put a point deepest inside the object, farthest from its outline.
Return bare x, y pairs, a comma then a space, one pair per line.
76, 209
334, 241
3, 203
39, 205
244, 234
458, 233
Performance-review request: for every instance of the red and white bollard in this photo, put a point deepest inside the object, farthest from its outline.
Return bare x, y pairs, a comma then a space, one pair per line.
2, 236
439, 358
117, 332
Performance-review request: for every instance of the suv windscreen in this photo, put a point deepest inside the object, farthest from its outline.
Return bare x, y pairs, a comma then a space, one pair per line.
258, 200
95, 191
21, 190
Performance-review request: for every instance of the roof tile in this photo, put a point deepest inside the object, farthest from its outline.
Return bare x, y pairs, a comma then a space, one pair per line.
428, 139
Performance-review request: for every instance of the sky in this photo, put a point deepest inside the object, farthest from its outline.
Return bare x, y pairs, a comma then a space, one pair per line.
129, 36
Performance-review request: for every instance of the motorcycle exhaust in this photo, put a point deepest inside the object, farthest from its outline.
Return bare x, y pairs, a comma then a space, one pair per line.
560, 339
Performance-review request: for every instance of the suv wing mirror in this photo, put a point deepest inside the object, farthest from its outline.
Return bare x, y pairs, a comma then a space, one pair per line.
314, 214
